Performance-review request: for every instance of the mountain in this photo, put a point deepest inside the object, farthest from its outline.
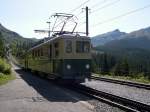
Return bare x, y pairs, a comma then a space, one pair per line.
11, 36
135, 40
15, 42
107, 37
134, 47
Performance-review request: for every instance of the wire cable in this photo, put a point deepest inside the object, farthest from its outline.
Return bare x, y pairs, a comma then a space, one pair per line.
122, 15
101, 2
105, 6
79, 6
81, 23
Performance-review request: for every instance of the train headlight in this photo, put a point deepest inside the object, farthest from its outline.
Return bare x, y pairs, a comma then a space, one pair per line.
68, 66
87, 66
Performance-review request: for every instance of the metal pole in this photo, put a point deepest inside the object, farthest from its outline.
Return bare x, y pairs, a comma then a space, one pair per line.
49, 29
87, 21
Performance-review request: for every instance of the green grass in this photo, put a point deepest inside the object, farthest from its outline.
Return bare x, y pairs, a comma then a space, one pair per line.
5, 67
139, 78
6, 78
5, 71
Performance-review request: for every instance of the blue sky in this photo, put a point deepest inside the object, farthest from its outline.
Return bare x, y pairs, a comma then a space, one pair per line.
24, 16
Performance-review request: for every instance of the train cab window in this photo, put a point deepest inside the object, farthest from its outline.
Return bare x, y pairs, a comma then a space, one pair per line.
82, 46
68, 46
79, 46
86, 46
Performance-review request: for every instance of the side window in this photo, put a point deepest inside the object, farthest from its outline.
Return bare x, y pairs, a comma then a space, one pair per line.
32, 53
56, 45
56, 53
38, 52
68, 46
41, 51
50, 51
45, 51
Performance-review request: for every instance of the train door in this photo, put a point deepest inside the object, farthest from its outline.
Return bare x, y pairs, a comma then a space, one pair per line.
56, 61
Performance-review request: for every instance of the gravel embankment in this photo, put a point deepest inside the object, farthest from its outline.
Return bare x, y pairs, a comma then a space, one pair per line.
137, 94
103, 107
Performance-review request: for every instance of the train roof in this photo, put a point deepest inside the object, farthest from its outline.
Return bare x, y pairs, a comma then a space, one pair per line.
64, 36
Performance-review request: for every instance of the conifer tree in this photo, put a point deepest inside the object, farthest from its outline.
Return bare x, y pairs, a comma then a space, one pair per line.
1, 46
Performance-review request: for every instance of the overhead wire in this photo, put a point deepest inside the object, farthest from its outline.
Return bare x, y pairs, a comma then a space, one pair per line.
122, 15
93, 6
101, 2
105, 6
96, 5
81, 23
79, 6
79, 13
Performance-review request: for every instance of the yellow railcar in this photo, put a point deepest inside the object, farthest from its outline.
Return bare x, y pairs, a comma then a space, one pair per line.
65, 57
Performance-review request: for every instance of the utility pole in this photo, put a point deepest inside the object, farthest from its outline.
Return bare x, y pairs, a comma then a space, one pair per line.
49, 29
87, 19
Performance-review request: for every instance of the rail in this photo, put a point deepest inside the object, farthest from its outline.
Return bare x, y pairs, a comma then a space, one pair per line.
122, 82
122, 103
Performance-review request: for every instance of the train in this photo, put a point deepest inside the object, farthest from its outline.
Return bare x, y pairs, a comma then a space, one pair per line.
65, 56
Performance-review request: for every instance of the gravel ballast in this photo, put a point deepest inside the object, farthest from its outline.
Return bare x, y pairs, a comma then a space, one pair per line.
133, 93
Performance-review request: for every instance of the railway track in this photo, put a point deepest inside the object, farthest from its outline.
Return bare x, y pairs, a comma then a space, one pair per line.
134, 84
113, 100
